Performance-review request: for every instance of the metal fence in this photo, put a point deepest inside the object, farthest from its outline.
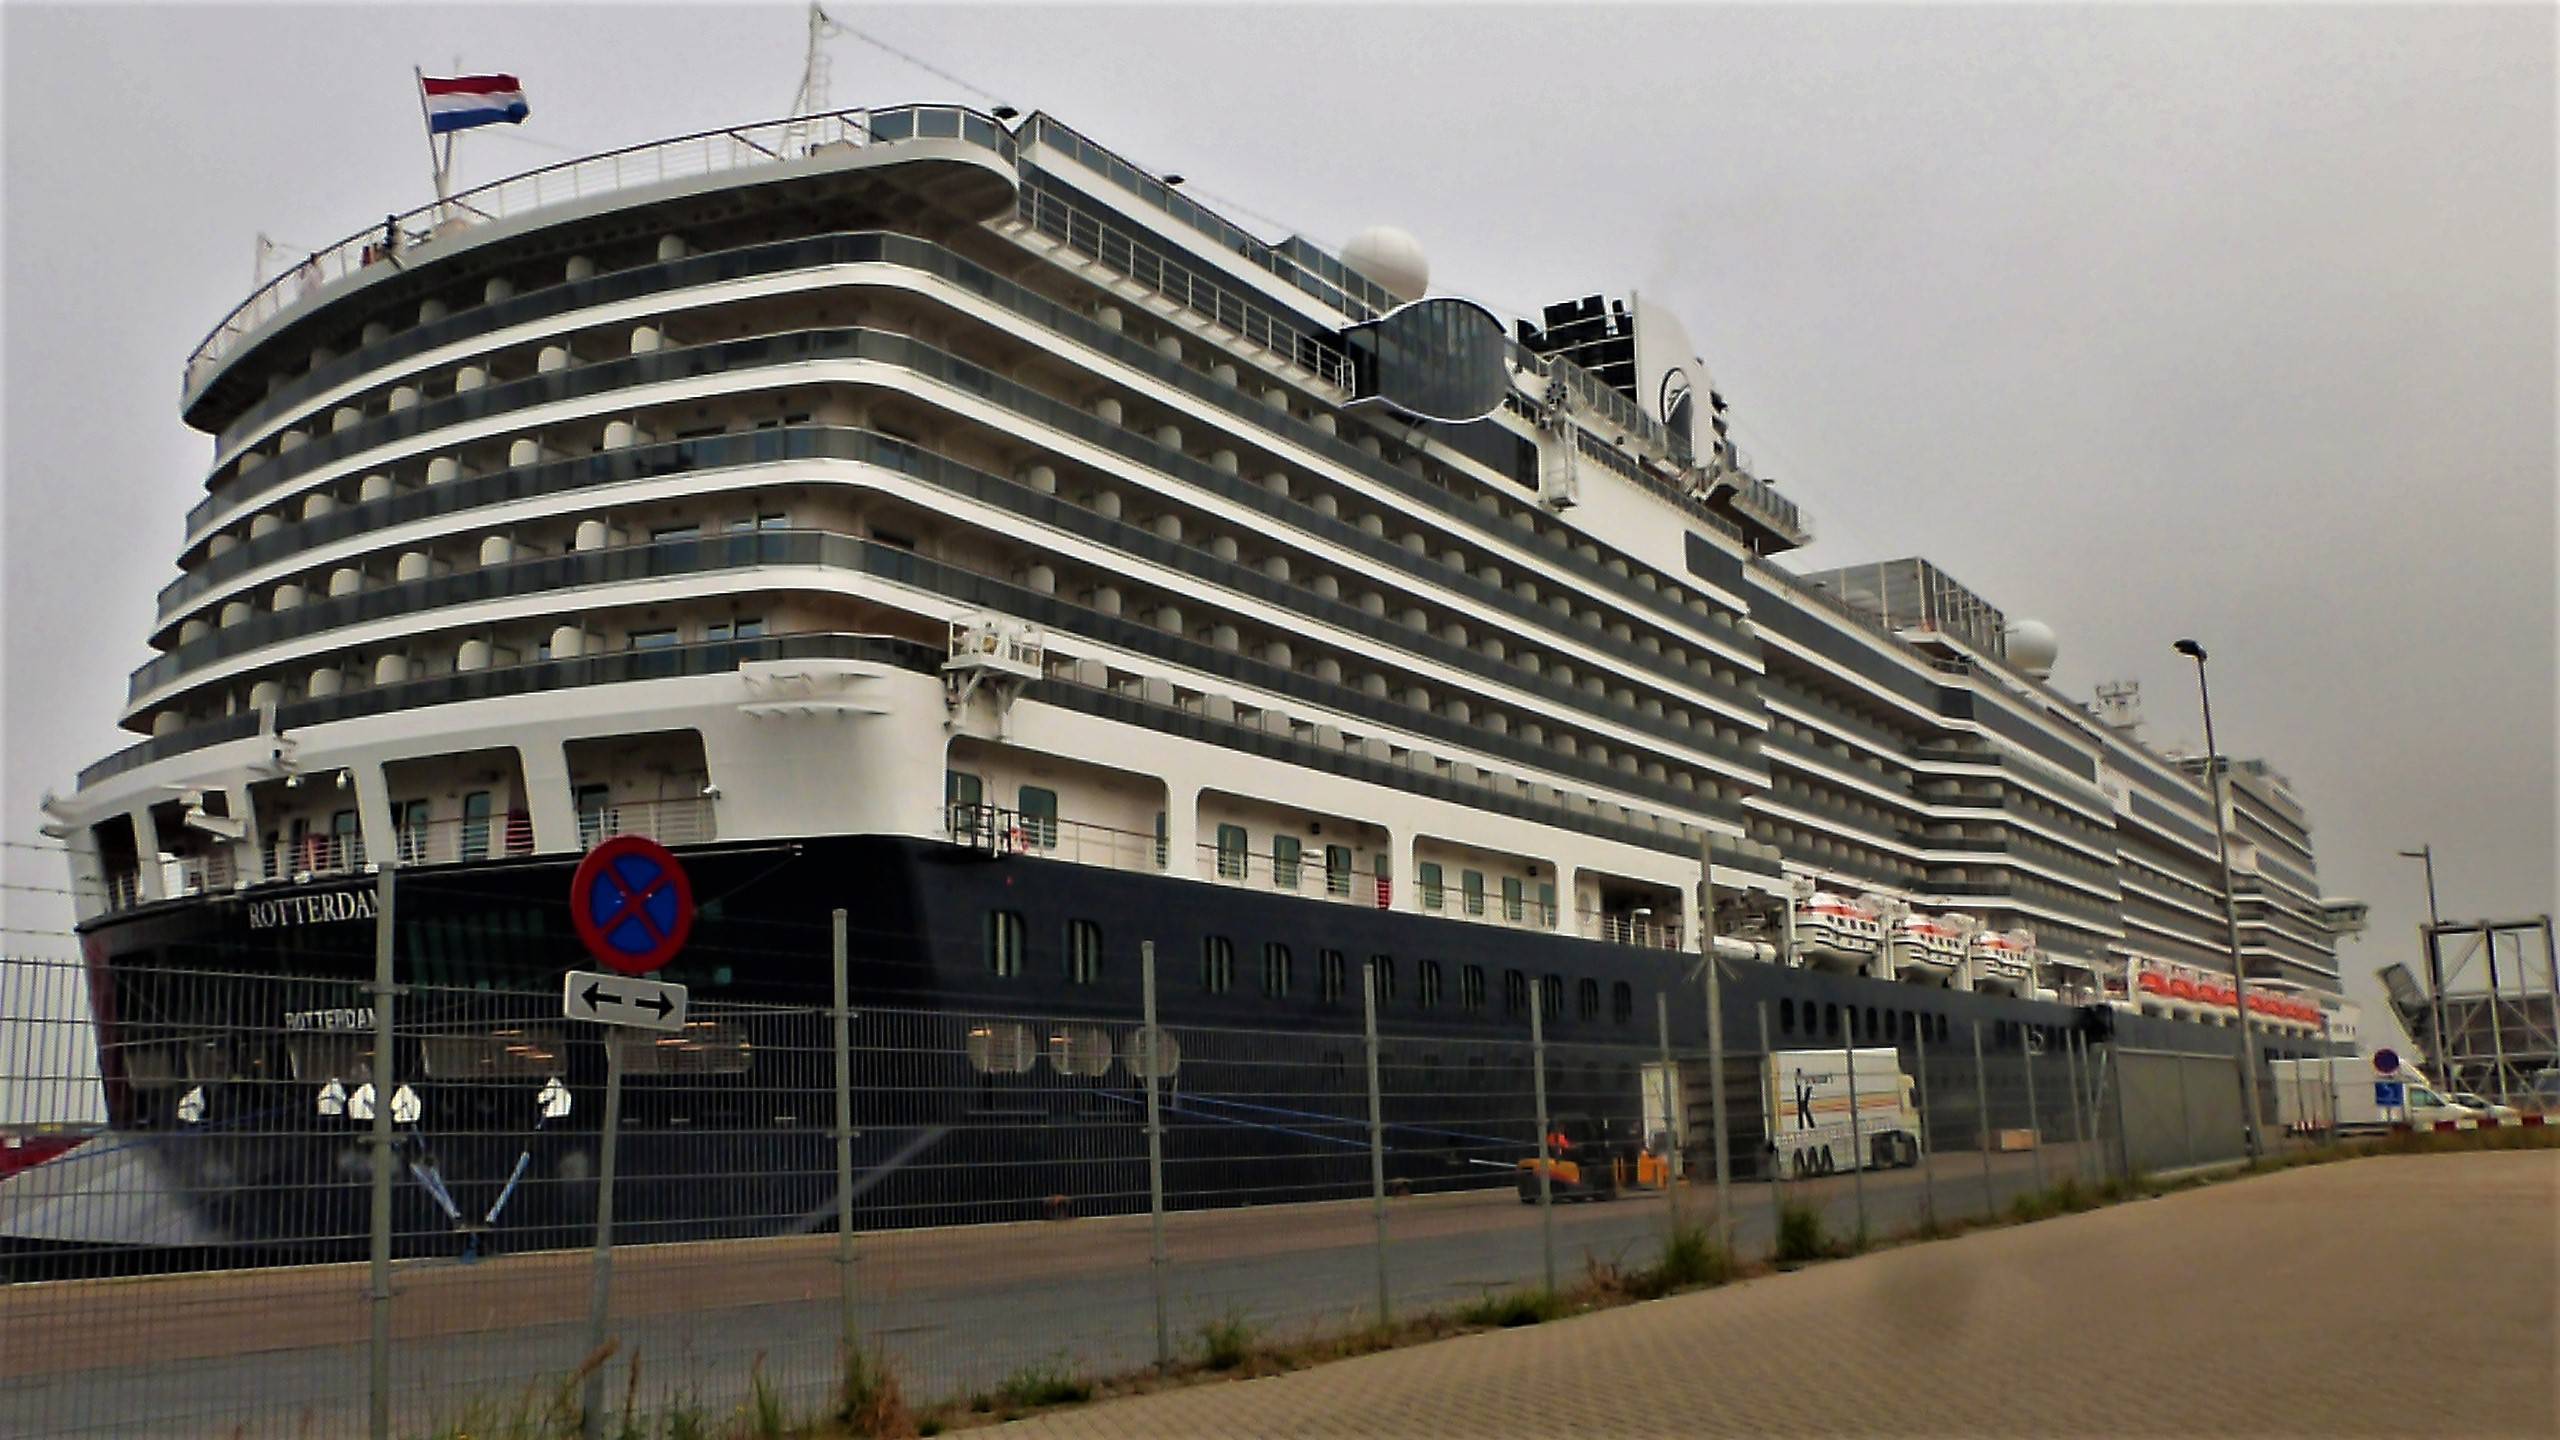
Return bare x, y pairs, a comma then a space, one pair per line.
1018, 1199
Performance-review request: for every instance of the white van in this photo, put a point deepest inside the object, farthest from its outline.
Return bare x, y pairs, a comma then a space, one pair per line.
2368, 1097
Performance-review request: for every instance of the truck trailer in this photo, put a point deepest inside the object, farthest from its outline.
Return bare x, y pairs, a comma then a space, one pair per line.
1807, 1097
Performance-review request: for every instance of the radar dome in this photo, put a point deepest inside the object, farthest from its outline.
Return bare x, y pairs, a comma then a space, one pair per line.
1392, 258
2032, 648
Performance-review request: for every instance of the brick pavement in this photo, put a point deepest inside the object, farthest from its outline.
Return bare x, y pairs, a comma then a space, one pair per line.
2390, 1296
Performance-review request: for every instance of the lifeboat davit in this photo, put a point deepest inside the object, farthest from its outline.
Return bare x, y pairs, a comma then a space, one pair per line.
2005, 961
1835, 931
1928, 949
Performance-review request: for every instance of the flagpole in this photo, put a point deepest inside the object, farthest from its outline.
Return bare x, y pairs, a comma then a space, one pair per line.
437, 168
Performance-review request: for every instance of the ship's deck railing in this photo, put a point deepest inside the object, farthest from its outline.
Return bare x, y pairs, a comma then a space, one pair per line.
459, 840
1116, 249
316, 854
707, 152
684, 821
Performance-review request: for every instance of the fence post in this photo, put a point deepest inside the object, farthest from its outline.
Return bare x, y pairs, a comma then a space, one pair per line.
378, 1253
2329, 1070
1982, 1123
1149, 1046
2186, 1118
1857, 1139
1538, 1082
1769, 1134
1671, 1111
1928, 1146
1377, 1128
2115, 1077
844, 1138
2035, 1120
1715, 1048
600, 1304
2079, 1136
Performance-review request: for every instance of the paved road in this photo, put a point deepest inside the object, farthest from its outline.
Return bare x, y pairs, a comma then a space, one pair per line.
2306, 1302
281, 1352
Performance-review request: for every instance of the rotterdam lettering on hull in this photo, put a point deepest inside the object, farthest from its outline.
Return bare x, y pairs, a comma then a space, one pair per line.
324, 908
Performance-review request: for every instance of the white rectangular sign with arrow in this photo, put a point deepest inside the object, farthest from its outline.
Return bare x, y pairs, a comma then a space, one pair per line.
633, 1000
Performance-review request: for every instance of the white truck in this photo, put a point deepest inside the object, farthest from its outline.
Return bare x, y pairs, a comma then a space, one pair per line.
1806, 1095
2374, 1092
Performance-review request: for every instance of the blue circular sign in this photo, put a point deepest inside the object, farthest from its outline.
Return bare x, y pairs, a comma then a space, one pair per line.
632, 904
2386, 1060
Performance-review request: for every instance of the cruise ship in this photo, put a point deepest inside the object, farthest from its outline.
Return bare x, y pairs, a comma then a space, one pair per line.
930, 513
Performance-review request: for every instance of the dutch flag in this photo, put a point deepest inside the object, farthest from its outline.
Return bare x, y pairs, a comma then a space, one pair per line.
463, 101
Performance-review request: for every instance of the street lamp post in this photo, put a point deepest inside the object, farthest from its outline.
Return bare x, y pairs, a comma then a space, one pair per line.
2230, 897
2426, 854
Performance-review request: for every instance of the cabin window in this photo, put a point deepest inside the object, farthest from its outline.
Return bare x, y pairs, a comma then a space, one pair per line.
1217, 964
1622, 1002
1084, 952
659, 639
963, 797
1427, 981
1039, 807
1275, 970
1831, 1021
1471, 988
1337, 869
1551, 996
1471, 885
1588, 993
409, 829
1004, 943
1160, 839
1515, 994
475, 825
744, 629
1330, 976
1285, 851
1786, 1017
1384, 967
1871, 1023
1427, 875
1232, 843
1511, 898
1547, 906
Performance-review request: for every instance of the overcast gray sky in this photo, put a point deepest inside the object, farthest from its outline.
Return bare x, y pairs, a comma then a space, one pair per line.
2227, 322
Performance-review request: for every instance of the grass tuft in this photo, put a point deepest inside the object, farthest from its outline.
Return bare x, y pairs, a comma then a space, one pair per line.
870, 1402
1049, 1383
1226, 1343
1800, 1234
1512, 1308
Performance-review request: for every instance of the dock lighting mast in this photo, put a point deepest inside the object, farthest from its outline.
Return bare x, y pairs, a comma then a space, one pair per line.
2426, 855
2230, 898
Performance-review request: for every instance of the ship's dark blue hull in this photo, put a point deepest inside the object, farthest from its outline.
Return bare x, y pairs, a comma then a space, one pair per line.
1269, 1101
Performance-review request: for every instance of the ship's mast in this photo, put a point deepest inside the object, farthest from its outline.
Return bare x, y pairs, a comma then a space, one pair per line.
817, 71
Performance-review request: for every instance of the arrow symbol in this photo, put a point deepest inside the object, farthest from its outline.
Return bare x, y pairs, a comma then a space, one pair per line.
658, 1002
595, 995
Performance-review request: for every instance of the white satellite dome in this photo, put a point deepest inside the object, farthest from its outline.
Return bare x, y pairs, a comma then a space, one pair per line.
1392, 258
2032, 647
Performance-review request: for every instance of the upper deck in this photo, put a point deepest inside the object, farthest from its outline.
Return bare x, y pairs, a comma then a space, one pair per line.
214, 388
